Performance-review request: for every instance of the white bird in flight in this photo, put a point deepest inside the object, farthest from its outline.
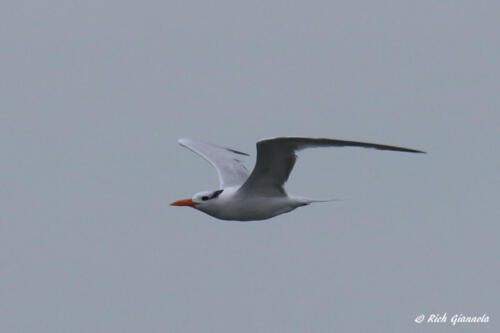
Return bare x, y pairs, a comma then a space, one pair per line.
260, 195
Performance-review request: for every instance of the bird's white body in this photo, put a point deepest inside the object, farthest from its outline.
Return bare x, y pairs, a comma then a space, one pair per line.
259, 195
231, 206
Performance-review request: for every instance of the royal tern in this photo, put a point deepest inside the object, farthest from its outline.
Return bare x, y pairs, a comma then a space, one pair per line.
260, 195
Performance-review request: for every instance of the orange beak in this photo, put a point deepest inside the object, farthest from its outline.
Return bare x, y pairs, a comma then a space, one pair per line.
183, 202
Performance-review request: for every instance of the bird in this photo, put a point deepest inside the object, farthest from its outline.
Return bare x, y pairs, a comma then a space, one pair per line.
259, 195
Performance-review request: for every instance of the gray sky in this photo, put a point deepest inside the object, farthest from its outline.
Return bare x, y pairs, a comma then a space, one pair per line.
94, 95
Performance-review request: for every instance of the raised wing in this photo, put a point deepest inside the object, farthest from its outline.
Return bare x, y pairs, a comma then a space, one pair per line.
276, 158
231, 171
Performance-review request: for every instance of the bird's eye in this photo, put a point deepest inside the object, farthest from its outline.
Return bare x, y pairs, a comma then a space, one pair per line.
204, 198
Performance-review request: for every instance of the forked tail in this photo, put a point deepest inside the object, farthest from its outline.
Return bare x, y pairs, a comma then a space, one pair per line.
307, 201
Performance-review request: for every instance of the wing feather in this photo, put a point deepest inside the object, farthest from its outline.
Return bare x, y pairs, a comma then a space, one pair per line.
276, 158
230, 169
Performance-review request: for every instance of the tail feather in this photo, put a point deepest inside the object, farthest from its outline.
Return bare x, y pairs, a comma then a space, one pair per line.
307, 201
323, 200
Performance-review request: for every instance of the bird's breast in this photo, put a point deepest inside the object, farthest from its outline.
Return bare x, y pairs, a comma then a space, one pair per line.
251, 209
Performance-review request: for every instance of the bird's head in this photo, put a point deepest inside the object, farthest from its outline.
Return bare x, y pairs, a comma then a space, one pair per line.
199, 200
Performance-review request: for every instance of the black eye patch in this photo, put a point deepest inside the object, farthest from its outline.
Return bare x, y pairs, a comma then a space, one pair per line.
212, 196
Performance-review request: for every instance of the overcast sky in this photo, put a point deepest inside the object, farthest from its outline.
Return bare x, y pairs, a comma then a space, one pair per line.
95, 94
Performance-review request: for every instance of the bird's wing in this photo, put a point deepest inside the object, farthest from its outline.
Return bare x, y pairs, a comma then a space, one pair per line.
231, 171
276, 158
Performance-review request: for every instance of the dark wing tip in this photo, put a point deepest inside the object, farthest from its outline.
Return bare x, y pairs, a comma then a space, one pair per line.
403, 149
371, 145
